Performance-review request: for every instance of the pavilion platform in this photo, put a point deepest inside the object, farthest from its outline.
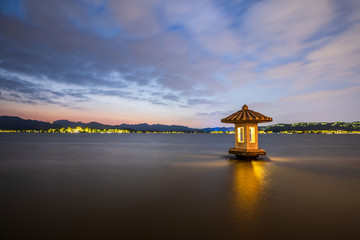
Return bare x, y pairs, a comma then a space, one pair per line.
247, 152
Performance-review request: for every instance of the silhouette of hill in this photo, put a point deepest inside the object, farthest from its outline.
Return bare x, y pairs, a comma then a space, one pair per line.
66, 123
137, 127
223, 129
17, 123
308, 126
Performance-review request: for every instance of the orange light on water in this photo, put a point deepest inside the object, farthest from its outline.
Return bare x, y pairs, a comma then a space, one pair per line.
249, 186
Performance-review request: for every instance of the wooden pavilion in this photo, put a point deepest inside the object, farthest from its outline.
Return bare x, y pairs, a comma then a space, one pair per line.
246, 132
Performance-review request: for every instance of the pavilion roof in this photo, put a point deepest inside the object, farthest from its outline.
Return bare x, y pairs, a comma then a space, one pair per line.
246, 115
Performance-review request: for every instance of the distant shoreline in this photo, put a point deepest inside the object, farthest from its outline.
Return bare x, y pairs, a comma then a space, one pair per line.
16, 124
80, 130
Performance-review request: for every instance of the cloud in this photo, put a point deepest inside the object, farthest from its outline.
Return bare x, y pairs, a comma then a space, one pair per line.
335, 61
216, 113
199, 101
171, 97
13, 8
322, 95
322, 105
176, 54
79, 57
332, 64
25, 92
280, 28
206, 24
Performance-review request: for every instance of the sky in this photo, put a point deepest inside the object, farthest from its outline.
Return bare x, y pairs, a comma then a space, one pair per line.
184, 62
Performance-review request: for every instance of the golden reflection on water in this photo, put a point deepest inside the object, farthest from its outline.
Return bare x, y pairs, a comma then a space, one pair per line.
250, 181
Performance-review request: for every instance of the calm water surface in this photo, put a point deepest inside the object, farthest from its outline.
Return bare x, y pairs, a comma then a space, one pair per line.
157, 186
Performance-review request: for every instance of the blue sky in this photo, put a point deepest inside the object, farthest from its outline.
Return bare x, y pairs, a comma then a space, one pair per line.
179, 62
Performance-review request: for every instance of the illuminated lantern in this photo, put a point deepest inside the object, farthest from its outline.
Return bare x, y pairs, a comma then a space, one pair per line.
246, 132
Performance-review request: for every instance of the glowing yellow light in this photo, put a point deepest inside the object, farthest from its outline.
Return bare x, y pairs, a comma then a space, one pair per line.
240, 134
250, 180
252, 134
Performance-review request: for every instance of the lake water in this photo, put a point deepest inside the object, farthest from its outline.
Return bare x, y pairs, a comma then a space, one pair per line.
178, 186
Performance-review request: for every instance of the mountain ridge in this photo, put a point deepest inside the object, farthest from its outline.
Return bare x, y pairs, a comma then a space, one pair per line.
17, 123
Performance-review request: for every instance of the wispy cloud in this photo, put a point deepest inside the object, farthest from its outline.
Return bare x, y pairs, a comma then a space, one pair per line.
322, 95
175, 56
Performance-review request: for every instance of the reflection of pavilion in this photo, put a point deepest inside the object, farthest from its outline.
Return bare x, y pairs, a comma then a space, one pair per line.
249, 186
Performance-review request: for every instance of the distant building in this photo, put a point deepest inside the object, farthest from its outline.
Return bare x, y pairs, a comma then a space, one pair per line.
246, 132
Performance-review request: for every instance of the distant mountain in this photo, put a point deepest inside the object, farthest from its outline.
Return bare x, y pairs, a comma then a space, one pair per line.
66, 123
223, 129
137, 127
308, 126
157, 127
16, 123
